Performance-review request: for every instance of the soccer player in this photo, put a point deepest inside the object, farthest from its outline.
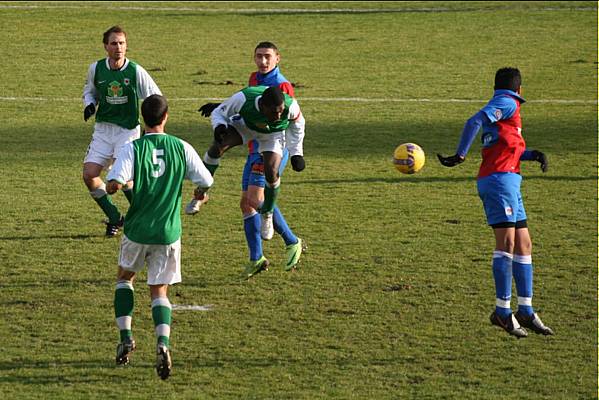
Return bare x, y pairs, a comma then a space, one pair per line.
157, 163
498, 185
115, 85
266, 58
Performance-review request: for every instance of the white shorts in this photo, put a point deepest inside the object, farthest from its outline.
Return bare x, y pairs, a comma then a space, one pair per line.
107, 141
274, 142
164, 261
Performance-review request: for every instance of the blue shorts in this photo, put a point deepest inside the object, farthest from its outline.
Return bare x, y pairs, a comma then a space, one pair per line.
501, 197
253, 170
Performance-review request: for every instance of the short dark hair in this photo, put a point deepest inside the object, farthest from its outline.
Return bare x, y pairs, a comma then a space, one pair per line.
267, 45
153, 110
273, 97
114, 29
508, 78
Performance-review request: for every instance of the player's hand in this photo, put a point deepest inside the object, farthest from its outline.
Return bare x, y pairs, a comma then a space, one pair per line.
89, 111
219, 133
297, 163
450, 161
206, 109
542, 159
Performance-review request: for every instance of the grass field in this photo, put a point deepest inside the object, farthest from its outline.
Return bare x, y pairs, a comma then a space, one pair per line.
392, 299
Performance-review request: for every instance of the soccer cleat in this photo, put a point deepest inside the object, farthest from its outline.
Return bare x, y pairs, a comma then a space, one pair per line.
164, 363
510, 325
267, 230
255, 267
194, 205
124, 350
534, 323
294, 251
113, 229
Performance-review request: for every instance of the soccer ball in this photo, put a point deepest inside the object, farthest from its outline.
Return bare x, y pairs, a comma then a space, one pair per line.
408, 158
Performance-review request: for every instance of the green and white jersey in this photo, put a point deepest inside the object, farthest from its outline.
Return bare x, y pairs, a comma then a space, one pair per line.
244, 105
157, 163
118, 92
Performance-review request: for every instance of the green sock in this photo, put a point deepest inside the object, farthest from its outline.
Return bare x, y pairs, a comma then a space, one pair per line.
162, 316
106, 204
270, 198
123, 307
128, 194
210, 163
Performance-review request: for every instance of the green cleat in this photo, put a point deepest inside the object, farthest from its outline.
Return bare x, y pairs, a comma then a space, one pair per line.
294, 251
255, 267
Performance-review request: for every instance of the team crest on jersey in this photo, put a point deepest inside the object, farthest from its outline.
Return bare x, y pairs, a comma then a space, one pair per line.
509, 211
498, 114
114, 93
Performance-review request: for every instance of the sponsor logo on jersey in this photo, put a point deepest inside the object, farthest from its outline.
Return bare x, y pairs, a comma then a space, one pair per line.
126, 81
114, 94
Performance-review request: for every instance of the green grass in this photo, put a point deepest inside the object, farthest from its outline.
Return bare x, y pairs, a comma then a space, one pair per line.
392, 299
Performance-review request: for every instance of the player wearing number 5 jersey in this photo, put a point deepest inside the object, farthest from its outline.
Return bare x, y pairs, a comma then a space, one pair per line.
115, 85
157, 163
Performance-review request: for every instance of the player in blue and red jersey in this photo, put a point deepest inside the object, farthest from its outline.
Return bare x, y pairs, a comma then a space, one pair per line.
498, 185
267, 58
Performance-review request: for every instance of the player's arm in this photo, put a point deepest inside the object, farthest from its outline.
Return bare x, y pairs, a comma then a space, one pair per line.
469, 132
221, 114
287, 87
197, 172
121, 171
90, 93
538, 156
145, 84
294, 137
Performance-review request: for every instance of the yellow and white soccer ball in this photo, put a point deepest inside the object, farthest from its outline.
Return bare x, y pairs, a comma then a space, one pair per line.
408, 158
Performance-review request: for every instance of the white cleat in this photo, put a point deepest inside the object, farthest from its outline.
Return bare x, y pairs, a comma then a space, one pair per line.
267, 229
193, 207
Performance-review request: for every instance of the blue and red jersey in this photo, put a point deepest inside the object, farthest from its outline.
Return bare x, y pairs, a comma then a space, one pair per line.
503, 144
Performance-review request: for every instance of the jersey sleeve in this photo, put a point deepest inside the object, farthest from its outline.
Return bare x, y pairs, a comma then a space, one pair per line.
145, 84
196, 170
500, 107
287, 87
122, 170
228, 108
90, 94
295, 132
469, 132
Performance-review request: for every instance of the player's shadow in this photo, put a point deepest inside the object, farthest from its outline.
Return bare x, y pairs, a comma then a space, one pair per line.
419, 179
38, 237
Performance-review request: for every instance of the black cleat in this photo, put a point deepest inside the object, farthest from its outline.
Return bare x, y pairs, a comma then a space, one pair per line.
163, 361
510, 325
124, 350
534, 323
113, 229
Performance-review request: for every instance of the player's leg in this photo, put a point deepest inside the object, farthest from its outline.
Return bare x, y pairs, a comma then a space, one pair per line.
523, 276
498, 202
272, 188
164, 268
97, 190
252, 186
293, 245
131, 260
214, 153
124, 136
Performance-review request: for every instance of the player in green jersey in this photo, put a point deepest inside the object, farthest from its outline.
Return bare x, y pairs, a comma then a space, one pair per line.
157, 164
114, 85
273, 120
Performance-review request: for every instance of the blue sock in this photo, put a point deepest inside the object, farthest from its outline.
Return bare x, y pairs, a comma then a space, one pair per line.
282, 228
502, 273
251, 226
522, 266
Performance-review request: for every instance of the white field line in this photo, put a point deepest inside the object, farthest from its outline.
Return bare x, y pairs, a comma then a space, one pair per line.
94, 5
320, 99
